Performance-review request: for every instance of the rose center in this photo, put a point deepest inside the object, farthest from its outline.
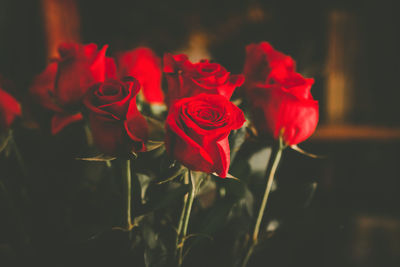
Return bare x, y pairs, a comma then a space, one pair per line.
208, 69
207, 114
109, 90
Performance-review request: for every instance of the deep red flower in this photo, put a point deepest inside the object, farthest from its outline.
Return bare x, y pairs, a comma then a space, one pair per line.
117, 126
264, 64
61, 86
187, 79
197, 130
279, 97
143, 64
9, 109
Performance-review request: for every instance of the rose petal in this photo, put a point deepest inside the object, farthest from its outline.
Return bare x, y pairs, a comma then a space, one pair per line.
9, 109
223, 161
42, 88
297, 118
108, 134
60, 121
111, 68
197, 130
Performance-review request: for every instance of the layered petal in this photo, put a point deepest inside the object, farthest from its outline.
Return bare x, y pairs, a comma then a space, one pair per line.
117, 126
42, 88
80, 67
187, 79
263, 62
279, 97
197, 132
280, 112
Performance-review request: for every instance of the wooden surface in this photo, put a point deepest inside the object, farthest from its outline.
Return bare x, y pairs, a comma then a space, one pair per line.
353, 132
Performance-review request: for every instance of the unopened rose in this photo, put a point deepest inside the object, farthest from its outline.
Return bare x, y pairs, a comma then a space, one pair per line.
117, 126
279, 97
187, 79
197, 130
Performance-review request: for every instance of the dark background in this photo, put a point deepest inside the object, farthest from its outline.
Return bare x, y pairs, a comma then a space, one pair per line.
353, 219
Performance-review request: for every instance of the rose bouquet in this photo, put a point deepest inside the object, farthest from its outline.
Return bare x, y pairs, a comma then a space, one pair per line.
175, 141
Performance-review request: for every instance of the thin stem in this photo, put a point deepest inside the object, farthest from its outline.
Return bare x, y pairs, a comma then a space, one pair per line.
180, 225
187, 210
271, 175
126, 172
18, 156
88, 134
192, 192
108, 164
266, 194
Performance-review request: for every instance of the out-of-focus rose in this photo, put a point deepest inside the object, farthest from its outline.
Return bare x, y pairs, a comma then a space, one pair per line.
117, 126
187, 79
9, 109
197, 130
61, 86
266, 65
143, 64
279, 97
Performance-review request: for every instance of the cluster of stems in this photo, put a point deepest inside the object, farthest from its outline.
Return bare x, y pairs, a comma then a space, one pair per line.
193, 184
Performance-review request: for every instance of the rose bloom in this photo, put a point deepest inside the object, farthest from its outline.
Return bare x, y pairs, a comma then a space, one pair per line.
61, 86
197, 130
117, 126
279, 97
187, 79
143, 64
9, 110
264, 64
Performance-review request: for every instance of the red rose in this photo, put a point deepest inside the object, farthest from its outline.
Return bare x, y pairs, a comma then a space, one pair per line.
265, 64
187, 79
61, 86
279, 97
288, 110
197, 130
9, 109
117, 126
42, 88
145, 66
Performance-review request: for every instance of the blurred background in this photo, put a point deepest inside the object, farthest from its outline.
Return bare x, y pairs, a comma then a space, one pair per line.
350, 47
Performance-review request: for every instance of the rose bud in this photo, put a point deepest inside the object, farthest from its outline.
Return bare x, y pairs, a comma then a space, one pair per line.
286, 110
197, 130
145, 66
61, 86
279, 97
117, 126
9, 109
187, 79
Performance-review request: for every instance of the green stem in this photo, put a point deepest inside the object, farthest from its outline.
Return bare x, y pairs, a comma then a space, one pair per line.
88, 134
192, 192
18, 156
271, 175
126, 172
182, 217
186, 216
